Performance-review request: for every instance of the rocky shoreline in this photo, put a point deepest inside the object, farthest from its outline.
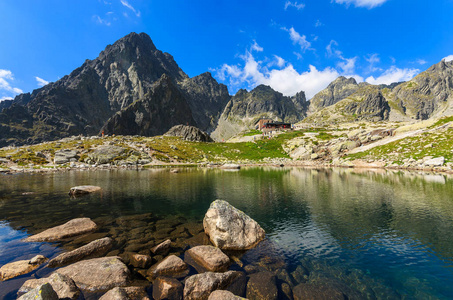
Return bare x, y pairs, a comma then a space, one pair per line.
198, 261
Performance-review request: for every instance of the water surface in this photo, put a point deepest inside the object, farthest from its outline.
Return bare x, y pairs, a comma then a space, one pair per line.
379, 234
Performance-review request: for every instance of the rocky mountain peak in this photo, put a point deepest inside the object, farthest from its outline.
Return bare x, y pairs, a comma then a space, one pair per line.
336, 91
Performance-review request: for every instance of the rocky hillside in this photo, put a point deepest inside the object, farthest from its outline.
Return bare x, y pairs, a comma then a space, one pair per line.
426, 96
246, 108
90, 97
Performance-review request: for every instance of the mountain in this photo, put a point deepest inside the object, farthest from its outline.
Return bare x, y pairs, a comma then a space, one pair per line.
246, 108
207, 99
89, 98
429, 94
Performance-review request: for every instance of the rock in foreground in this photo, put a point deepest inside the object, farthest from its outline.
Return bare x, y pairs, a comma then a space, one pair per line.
20, 267
224, 295
209, 257
172, 266
200, 286
69, 229
167, 288
126, 293
83, 189
61, 284
94, 249
231, 229
98, 274
42, 292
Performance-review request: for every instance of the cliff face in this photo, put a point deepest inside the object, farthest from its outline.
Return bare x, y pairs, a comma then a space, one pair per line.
162, 108
207, 99
246, 108
427, 95
84, 101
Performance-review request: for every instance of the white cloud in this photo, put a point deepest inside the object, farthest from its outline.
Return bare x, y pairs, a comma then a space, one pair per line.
301, 40
6, 98
280, 61
285, 80
101, 21
393, 74
41, 82
422, 61
126, 4
318, 23
448, 58
6, 76
256, 47
362, 3
295, 4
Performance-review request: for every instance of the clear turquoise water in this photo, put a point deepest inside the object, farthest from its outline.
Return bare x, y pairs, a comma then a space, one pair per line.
386, 235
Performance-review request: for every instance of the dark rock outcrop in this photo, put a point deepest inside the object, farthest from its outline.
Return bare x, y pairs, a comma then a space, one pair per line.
189, 133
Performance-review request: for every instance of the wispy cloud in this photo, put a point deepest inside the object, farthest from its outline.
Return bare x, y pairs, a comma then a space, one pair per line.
318, 23
126, 4
373, 59
297, 38
101, 21
41, 82
393, 74
362, 3
347, 65
421, 62
6, 76
448, 58
6, 98
295, 4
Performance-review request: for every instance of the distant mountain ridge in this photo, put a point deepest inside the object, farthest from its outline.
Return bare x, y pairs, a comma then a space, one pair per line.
132, 88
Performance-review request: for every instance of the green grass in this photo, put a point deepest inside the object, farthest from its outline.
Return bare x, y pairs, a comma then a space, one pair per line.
252, 132
427, 144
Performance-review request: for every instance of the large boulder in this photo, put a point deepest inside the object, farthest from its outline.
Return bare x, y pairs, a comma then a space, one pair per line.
105, 154
94, 249
208, 257
65, 156
189, 133
171, 266
42, 292
200, 286
231, 229
69, 229
98, 274
21, 267
83, 190
61, 284
167, 288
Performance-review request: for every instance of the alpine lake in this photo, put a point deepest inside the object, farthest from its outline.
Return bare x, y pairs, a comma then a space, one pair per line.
373, 234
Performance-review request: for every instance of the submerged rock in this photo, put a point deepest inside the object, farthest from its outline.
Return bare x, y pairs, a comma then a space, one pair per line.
200, 286
162, 249
42, 292
98, 274
209, 257
69, 229
231, 229
262, 285
167, 288
20, 267
83, 189
94, 249
61, 284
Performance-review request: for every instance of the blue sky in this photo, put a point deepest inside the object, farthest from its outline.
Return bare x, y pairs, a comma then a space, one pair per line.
289, 45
